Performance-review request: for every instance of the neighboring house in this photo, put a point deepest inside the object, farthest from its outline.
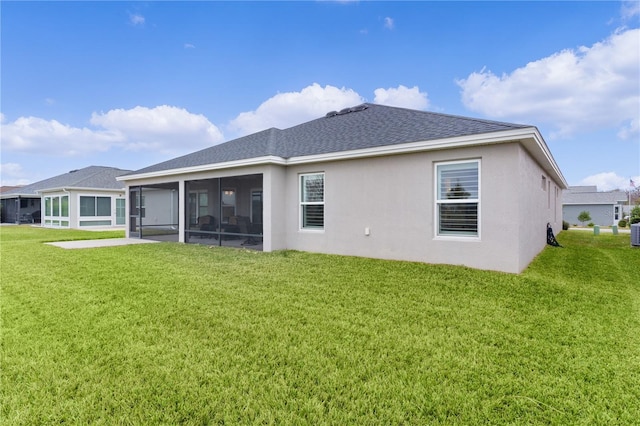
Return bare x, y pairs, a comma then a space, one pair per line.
6, 188
605, 208
89, 197
371, 181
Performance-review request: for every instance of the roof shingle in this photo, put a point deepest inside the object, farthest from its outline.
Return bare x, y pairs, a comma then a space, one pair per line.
96, 177
364, 126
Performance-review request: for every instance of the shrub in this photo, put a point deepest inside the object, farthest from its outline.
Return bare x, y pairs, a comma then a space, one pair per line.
565, 225
584, 216
591, 224
622, 223
635, 215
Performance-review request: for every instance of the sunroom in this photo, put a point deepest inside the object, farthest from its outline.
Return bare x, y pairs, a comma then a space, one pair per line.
222, 211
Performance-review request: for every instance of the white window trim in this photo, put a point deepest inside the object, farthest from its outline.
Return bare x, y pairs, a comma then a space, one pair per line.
436, 214
96, 218
47, 219
301, 228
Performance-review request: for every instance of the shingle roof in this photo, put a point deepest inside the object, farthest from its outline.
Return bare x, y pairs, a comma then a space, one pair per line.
579, 195
96, 177
364, 126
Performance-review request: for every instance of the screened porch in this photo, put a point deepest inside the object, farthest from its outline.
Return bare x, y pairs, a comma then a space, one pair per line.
218, 211
225, 211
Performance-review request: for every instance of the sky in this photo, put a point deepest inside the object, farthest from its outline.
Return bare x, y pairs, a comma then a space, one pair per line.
131, 84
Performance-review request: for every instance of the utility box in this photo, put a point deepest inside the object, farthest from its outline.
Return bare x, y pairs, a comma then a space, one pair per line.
596, 230
635, 235
614, 229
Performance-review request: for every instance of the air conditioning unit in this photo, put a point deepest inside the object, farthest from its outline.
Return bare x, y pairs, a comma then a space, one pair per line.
635, 234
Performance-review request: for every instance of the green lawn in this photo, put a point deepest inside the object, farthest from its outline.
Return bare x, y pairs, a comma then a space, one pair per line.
172, 333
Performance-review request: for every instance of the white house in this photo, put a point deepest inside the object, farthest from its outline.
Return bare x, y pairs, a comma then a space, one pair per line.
371, 181
88, 197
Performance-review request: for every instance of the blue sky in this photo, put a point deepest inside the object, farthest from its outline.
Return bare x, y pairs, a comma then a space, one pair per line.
130, 84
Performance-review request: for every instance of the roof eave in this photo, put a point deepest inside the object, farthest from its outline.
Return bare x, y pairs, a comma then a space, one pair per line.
79, 188
529, 137
271, 159
22, 195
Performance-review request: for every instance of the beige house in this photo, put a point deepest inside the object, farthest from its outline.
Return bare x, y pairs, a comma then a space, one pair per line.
371, 181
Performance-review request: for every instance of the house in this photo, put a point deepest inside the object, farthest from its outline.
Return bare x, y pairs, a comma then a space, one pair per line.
89, 197
605, 208
372, 181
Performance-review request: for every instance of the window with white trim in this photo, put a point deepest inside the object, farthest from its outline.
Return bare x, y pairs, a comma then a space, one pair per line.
458, 198
56, 210
95, 206
312, 201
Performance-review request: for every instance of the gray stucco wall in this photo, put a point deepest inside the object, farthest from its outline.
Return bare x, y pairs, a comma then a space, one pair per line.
601, 214
536, 206
394, 197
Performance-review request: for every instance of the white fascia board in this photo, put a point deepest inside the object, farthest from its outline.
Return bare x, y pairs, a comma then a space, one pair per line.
601, 203
409, 147
541, 152
528, 136
79, 188
14, 195
272, 159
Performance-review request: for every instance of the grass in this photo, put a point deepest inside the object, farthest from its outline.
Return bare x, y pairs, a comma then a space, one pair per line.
185, 334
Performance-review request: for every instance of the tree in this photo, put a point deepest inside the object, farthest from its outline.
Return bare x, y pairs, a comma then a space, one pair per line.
584, 216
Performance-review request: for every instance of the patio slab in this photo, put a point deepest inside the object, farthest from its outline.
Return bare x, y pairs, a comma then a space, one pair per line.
107, 242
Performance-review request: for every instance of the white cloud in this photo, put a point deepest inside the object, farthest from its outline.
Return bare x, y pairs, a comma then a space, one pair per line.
402, 97
608, 181
37, 135
573, 91
164, 129
632, 130
630, 9
288, 109
388, 23
136, 19
189, 46
12, 174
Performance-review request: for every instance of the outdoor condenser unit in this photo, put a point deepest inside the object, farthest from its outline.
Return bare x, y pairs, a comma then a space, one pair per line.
635, 234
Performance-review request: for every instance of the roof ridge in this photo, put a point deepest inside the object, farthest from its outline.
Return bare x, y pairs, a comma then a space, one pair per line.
442, 114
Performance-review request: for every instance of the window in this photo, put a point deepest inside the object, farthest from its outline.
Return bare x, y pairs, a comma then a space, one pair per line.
56, 206
458, 198
256, 206
121, 211
56, 210
95, 206
64, 206
312, 201
228, 204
